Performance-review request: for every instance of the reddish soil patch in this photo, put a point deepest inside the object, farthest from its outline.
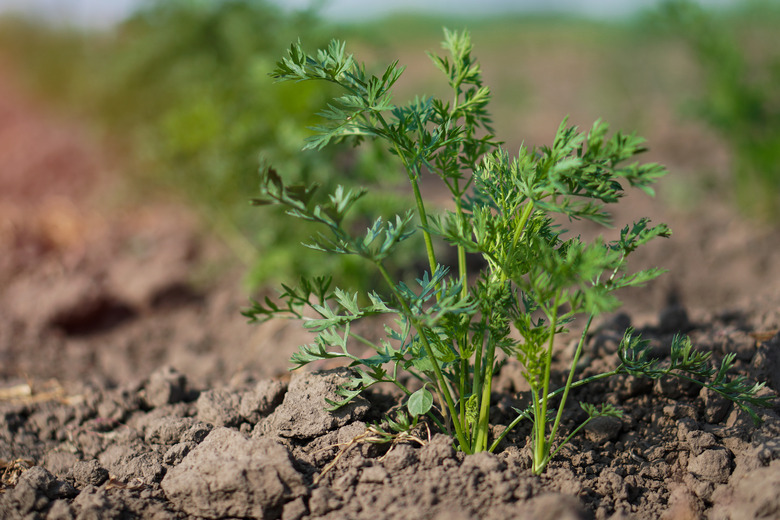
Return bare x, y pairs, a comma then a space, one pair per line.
131, 387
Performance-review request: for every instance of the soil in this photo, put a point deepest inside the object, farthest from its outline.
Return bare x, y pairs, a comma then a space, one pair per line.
131, 386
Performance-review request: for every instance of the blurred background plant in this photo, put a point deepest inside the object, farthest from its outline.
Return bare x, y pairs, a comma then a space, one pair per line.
738, 57
180, 91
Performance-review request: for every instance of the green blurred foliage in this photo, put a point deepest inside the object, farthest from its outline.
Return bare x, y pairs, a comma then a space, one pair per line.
739, 60
190, 85
181, 91
183, 88
53, 61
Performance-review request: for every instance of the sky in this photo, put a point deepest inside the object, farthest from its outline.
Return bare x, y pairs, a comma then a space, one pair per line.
98, 13
361, 9
102, 13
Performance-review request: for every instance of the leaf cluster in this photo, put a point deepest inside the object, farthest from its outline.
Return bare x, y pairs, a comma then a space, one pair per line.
687, 363
449, 330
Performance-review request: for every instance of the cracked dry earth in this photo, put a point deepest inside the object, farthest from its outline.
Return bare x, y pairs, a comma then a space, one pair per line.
267, 449
128, 389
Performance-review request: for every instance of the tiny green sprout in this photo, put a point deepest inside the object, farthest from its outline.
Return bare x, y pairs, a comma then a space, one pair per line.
448, 333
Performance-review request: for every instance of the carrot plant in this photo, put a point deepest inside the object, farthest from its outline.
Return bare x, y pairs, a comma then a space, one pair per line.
452, 328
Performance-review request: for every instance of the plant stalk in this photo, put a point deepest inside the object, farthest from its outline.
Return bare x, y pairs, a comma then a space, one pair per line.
570, 379
440, 381
423, 222
557, 392
542, 447
483, 421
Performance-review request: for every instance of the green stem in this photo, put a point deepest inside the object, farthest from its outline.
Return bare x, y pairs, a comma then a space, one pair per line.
459, 202
581, 382
542, 444
480, 442
413, 172
423, 221
542, 448
538, 424
529, 207
463, 339
440, 380
477, 382
365, 341
464, 373
462, 267
462, 271
564, 443
570, 379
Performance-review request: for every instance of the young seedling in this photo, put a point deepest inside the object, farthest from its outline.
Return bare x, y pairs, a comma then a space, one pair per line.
450, 330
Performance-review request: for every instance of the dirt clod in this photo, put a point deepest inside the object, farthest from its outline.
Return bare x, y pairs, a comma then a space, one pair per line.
755, 496
35, 489
228, 475
261, 400
557, 507
89, 472
165, 386
603, 429
302, 414
713, 465
219, 408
